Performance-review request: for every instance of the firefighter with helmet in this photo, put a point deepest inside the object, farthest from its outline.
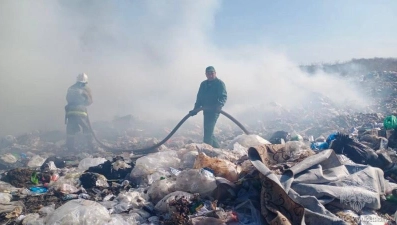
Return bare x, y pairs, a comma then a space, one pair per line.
78, 97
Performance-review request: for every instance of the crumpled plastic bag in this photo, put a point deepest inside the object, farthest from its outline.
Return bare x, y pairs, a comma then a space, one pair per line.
36, 161
196, 181
161, 188
9, 158
79, 212
67, 184
32, 219
151, 163
220, 167
132, 199
88, 162
5, 198
47, 210
188, 159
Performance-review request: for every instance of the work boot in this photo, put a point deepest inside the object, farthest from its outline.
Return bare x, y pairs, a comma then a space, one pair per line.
70, 143
215, 143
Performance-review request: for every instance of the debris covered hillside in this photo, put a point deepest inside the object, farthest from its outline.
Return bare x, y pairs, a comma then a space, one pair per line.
317, 164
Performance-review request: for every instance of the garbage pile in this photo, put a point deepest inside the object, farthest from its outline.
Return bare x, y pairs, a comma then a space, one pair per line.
300, 169
251, 181
320, 116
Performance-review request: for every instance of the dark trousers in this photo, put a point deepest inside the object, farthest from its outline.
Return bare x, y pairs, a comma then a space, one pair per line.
210, 119
74, 125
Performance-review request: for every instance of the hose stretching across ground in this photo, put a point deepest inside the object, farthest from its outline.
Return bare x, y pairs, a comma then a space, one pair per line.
153, 148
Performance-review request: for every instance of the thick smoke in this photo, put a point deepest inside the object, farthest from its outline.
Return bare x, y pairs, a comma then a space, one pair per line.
145, 58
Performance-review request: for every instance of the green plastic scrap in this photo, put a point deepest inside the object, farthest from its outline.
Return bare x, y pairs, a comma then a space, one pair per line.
34, 179
390, 122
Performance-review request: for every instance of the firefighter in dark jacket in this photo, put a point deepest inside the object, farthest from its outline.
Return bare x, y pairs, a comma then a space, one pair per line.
211, 97
78, 98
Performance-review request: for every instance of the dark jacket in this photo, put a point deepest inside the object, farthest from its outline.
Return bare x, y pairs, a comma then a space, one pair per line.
211, 94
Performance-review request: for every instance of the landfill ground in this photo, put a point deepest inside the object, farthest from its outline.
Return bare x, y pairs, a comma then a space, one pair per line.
187, 182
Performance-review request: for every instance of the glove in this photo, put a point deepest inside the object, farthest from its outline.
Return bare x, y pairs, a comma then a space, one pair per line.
218, 109
192, 112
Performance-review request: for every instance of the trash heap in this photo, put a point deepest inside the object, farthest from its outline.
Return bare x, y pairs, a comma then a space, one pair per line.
315, 165
251, 181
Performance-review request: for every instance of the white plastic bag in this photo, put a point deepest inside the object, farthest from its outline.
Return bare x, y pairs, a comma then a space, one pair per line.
196, 181
161, 188
151, 163
9, 158
32, 219
89, 162
47, 210
79, 212
5, 198
36, 161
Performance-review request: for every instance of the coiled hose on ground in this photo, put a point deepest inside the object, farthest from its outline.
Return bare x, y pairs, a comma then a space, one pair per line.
153, 148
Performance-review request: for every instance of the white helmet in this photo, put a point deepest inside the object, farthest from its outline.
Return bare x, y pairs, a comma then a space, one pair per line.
82, 78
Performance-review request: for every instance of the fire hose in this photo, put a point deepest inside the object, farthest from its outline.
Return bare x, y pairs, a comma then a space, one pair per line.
153, 148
